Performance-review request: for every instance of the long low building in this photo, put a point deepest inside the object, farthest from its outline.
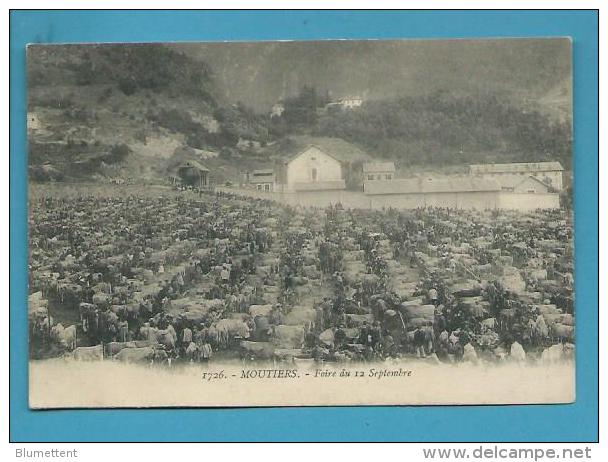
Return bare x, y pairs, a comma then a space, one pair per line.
480, 200
509, 175
465, 192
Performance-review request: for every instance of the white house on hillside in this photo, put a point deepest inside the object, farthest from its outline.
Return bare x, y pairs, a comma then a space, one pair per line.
351, 102
33, 122
348, 102
277, 110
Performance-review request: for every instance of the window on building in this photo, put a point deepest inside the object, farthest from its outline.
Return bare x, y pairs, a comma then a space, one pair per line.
370, 177
259, 187
313, 174
266, 187
531, 191
388, 176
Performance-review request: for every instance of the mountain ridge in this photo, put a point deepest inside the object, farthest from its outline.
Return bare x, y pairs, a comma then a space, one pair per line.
156, 99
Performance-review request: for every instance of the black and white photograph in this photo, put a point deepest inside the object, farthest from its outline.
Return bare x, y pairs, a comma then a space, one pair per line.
300, 223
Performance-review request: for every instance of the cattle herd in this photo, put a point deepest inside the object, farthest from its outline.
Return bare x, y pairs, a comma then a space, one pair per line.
169, 276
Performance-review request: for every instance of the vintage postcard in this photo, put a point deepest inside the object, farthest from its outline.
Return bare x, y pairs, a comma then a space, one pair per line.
301, 223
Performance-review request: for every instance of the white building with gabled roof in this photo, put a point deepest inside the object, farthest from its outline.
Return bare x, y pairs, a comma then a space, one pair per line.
314, 169
320, 164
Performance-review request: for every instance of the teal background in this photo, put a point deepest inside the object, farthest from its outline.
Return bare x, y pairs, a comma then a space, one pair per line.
539, 423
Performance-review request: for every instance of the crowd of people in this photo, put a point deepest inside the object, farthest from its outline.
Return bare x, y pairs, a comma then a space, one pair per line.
184, 276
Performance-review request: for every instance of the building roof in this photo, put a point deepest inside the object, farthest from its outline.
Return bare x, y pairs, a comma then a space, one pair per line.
510, 181
435, 185
341, 150
528, 178
263, 171
516, 167
378, 167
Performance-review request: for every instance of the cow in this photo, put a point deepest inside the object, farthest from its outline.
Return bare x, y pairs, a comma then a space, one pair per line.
136, 355
310, 271
300, 280
161, 357
256, 350
66, 337
469, 354
259, 310
370, 283
379, 307
102, 300
499, 354
540, 331
517, 353
264, 270
192, 352
120, 310
356, 320
327, 337
288, 336
171, 331
489, 323
113, 348
213, 335
92, 353
56, 331
562, 332
166, 338
229, 329
299, 316
553, 354
133, 311
147, 333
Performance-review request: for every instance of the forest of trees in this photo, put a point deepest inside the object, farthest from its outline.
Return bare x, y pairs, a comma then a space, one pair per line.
434, 129
139, 67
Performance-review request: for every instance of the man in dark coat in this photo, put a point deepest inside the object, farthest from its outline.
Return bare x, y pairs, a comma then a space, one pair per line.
419, 340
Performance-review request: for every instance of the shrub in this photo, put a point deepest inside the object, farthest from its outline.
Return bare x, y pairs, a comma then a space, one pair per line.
127, 86
118, 153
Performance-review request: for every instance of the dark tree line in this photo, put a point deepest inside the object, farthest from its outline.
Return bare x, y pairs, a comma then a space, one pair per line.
434, 129
144, 67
